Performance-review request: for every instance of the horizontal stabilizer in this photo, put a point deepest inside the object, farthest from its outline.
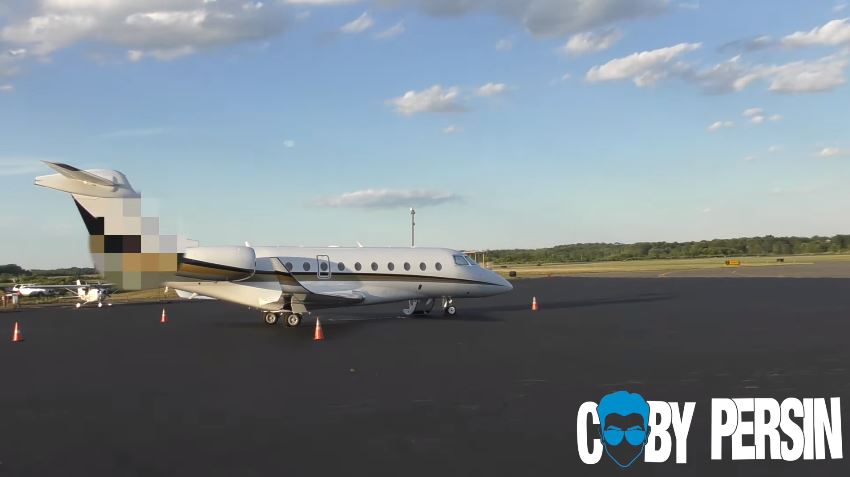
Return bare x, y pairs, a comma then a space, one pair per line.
72, 172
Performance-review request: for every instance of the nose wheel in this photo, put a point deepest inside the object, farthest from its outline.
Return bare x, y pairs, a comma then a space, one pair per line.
449, 308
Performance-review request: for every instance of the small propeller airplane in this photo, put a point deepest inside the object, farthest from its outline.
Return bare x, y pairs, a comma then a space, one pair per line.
85, 292
282, 281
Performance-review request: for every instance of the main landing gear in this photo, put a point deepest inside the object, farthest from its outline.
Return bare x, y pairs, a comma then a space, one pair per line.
290, 319
424, 307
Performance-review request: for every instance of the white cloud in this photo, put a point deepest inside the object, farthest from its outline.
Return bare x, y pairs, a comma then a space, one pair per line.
157, 28
505, 44
451, 129
491, 89
644, 68
547, 17
289, 143
839, 7
755, 115
359, 24
6, 88
833, 152
774, 148
758, 116
387, 199
689, 6
824, 74
718, 125
835, 32
750, 158
435, 99
706, 210
589, 42
392, 31
648, 67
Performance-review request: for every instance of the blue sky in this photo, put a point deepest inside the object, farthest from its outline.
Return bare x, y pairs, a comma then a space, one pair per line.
508, 123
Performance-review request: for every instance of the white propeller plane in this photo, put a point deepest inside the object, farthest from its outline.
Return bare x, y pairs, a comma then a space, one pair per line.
85, 292
283, 282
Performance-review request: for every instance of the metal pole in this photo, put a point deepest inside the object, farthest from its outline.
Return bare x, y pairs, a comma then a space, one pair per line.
412, 228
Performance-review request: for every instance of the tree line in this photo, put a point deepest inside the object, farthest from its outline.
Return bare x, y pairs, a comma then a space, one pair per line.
12, 271
746, 246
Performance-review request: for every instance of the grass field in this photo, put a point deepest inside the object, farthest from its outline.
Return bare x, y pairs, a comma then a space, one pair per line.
658, 265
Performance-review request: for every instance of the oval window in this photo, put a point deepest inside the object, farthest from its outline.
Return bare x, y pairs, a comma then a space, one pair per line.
324, 266
340, 266
357, 266
391, 266
406, 266
422, 266
374, 267
306, 266
288, 266
438, 266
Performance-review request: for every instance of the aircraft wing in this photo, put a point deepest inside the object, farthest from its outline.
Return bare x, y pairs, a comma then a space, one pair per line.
327, 300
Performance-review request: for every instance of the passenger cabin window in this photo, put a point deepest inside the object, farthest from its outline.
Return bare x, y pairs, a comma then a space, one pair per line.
357, 266
306, 266
391, 266
461, 260
422, 266
438, 266
374, 267
288, 266
340, 266
324, 266
407, 266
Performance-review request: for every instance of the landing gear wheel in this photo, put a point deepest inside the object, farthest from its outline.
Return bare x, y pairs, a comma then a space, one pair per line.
100, 305
451, 310
293, 320
270, 318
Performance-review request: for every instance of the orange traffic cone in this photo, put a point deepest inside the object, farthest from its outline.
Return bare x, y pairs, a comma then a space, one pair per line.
318, 335
16, 334
534, 303
164, 319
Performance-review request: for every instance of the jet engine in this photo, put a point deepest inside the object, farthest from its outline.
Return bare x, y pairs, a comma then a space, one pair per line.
217, 263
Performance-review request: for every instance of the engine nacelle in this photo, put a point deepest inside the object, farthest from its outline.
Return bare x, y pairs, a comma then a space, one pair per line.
217, 263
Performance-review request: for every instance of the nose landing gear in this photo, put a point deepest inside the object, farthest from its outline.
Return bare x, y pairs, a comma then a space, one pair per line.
448, 306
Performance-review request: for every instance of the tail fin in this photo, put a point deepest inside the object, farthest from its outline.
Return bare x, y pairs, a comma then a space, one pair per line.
126, 247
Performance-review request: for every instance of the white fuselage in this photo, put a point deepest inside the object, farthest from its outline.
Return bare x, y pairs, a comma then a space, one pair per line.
369, 275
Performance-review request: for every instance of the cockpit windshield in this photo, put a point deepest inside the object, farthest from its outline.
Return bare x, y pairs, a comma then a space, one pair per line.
461, 260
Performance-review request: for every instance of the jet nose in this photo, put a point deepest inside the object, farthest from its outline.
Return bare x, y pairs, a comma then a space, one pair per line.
502, 282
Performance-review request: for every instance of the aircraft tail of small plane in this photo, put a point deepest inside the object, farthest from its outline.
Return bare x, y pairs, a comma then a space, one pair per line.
126, 248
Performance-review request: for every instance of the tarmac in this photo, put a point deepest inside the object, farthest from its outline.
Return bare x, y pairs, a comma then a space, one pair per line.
492, 391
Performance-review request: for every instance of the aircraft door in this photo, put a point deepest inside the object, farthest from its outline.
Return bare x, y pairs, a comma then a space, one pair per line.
323, 271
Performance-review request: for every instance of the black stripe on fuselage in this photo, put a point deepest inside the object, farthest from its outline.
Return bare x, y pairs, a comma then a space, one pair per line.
359, 277
339, 276
216, 266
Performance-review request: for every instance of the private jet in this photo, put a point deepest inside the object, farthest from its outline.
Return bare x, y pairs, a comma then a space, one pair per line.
283, 282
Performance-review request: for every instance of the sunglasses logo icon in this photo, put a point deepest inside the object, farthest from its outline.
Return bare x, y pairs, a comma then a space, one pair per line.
623, 426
